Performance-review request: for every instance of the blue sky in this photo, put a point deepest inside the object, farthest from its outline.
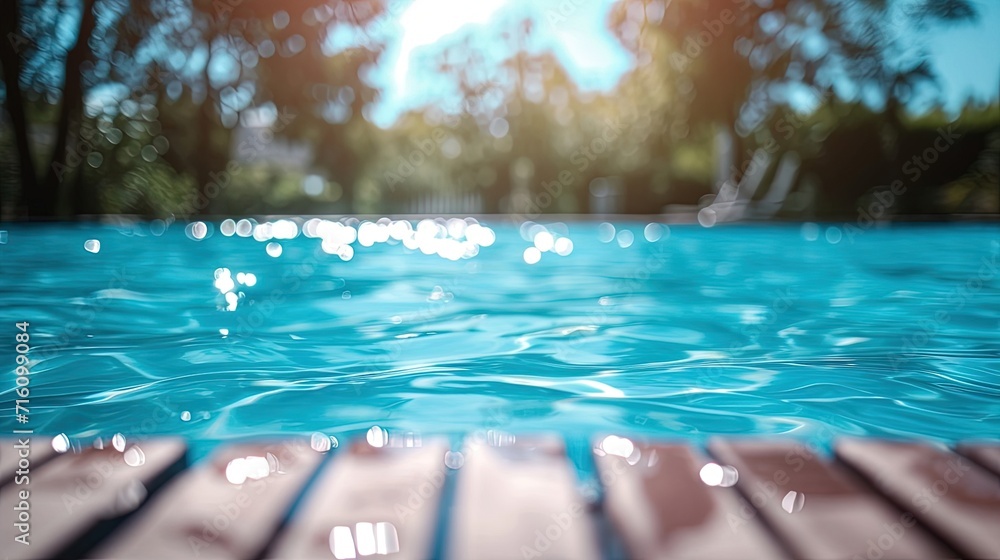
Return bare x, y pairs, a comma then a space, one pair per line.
573, 30
967, 56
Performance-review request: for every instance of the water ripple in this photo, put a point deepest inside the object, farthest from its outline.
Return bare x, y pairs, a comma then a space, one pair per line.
733, 330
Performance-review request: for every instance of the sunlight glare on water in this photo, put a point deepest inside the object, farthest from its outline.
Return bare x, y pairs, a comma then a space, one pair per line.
437, 326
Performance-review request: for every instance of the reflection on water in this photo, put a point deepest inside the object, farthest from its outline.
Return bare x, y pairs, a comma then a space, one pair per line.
620, 446
367, 539
377, 437
60, 443
713, 474
323, 443
793, 502
441, 326
253, 467
134, 457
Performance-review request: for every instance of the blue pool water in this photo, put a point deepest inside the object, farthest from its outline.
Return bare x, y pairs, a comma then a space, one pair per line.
804, 330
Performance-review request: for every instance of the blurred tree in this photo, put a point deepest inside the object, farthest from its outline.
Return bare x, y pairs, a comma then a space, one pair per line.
712, 52
33, 57
147, 95
737, 61
880, 52
11, 53
285, 57
324, 84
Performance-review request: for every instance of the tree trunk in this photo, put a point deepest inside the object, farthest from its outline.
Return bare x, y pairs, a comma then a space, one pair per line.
70, 113
341, 166
204, 158
10, 58
85, 196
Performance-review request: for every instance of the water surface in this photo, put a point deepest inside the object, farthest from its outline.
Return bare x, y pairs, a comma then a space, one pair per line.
808, 331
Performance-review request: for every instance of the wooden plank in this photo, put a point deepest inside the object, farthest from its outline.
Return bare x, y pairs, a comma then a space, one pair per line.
370, 500
986, 454
519, 501
37, 450
951, 495
817, 508
662, 507
228, 506
77, 498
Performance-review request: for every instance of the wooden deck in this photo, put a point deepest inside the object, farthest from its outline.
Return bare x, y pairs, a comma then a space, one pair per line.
506, 497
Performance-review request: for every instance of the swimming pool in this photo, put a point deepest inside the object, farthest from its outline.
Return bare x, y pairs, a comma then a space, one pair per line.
808, 330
